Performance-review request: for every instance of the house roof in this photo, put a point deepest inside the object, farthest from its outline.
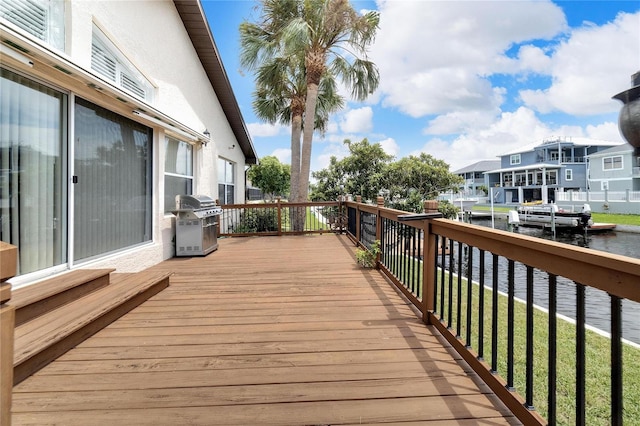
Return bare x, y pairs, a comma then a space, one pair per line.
480, 166
566, 141
195, 22
625, 147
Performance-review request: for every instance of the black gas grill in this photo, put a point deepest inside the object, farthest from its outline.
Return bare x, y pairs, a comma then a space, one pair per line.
196, 225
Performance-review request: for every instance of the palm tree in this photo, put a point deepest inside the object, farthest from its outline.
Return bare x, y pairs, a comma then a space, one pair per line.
319, 40
335, 41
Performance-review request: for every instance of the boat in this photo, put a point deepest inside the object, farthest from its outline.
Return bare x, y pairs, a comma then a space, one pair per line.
550, 215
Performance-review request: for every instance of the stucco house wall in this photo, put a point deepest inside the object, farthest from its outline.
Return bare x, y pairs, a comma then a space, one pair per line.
153, 37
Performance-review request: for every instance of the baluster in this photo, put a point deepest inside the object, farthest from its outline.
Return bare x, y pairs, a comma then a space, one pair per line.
510, 323
459, 296
450, 307
443, 254
494, 318
552, 346
617, 405
580, 355
529, 350
469, 293
481, 307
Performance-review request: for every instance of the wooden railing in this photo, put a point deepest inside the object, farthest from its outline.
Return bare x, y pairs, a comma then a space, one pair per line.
453, 272
280, 218
8, 269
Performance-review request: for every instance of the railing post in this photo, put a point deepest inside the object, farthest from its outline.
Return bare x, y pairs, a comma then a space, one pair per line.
8, 265
279, 206
380, 205
358, 201
429, 253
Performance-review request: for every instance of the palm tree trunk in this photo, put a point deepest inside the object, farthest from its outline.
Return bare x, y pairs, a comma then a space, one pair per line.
307, 143
296, 216
296, 133
307, 139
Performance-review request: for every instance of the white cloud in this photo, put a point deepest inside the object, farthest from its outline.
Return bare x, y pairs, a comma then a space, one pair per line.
390, 146
534, 59
266, 130
591, 66
509, 132
435, 57
283, 155
358, 120
608, 131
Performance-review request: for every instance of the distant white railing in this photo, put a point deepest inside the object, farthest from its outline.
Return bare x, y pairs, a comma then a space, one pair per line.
604, 196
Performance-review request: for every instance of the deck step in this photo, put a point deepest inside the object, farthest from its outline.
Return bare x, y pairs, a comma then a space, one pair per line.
45, 338
37, 299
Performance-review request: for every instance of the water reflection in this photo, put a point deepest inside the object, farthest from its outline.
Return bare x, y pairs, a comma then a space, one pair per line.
597, 301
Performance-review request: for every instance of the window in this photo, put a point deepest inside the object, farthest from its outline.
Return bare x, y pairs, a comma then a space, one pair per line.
43, 19
112, 196
226, 181
551, 177
33, 185
515, 159
568, 174
612, 163
109, 62
178, 171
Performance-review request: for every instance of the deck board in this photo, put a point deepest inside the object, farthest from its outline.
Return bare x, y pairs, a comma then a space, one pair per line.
279, 330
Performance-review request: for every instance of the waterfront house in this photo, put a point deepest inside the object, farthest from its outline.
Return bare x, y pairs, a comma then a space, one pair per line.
474, 177
614, 169
109, 110
536, 172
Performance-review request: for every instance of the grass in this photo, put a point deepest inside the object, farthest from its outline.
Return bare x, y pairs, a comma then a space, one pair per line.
597, 390
618, 219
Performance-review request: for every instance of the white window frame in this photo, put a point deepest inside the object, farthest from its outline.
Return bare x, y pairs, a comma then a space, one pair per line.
42, 19
568, 174
515, 159
612, 161
226, 179
109, 61
187, 176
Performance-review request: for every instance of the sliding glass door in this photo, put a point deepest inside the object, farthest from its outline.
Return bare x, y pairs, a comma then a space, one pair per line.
112, 175
112, 162
33, 191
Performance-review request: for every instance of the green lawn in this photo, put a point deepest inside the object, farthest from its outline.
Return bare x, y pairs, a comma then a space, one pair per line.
597, 357
618, 219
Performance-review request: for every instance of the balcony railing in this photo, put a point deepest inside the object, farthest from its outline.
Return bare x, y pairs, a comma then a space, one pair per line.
281, 218
453, 272
482, 289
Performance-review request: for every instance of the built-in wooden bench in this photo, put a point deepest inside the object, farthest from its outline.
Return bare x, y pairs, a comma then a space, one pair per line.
45, 296
46, 337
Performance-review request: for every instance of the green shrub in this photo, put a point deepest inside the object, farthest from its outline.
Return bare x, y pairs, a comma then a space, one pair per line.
367, 258
257, 220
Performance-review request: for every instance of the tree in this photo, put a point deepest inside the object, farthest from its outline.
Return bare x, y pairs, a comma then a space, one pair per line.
271, 176
369, 171
418, 178
335, 40
319, 40
360, 173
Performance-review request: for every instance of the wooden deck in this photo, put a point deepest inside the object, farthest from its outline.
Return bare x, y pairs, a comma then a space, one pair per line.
271, 330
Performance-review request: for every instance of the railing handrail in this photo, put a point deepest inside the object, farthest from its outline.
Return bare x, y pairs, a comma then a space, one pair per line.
426, 248
606, 271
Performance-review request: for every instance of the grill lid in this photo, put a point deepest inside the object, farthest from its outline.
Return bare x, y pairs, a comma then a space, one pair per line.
194, 202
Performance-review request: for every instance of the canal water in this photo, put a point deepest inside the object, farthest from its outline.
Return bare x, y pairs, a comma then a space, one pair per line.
597, 301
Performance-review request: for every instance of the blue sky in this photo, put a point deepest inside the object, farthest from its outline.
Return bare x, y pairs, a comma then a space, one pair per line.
466, 80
